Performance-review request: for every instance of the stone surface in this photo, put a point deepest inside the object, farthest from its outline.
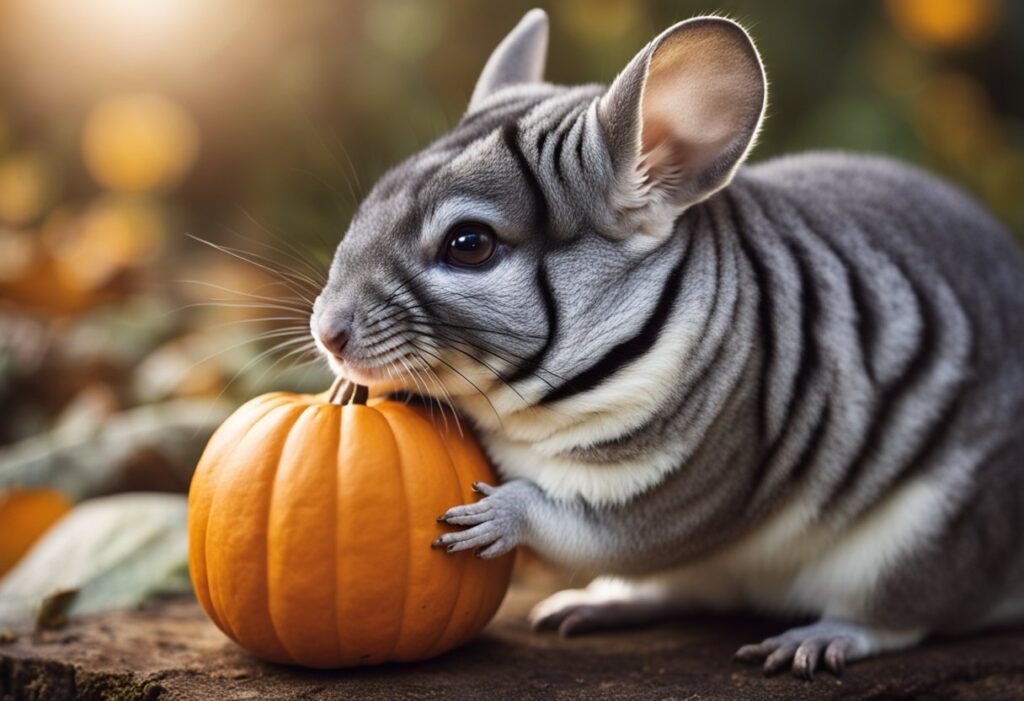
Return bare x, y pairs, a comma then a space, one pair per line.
170, 651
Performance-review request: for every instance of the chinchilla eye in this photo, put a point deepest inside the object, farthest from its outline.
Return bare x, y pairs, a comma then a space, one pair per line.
469, 244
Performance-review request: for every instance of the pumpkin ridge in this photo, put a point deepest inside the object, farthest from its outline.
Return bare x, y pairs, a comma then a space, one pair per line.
415, 416
285, 406
359, 499
408, 543
336, 546
305, 425
482, 611
266, 565
492, 578
218, 475
463, 561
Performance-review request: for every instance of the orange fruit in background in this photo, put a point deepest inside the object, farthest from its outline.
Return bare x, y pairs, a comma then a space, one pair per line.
310, 527
25, 515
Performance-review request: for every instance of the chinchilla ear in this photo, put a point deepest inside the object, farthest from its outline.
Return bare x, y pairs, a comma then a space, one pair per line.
680, 119
519, 58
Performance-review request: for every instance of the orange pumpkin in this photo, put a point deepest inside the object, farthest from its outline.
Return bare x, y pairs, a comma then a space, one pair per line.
310, 527
25, 515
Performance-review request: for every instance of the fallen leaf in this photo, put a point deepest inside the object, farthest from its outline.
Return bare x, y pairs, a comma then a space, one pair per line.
108, 553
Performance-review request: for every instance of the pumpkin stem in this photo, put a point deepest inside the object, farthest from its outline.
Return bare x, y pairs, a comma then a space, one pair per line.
332, 393
361, 394
343, 392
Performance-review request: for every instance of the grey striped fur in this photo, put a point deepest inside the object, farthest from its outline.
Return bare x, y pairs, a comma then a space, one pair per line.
796, 386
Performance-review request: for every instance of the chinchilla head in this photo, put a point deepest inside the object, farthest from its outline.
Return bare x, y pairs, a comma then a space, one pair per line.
526, 243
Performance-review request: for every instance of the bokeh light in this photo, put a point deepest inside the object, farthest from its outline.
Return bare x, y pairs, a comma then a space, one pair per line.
139, 143
948, 23
25, 188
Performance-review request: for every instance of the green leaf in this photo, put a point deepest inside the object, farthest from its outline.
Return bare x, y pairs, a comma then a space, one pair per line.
108, 553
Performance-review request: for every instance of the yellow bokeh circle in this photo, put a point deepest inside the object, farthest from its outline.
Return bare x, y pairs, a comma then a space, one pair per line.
139, 143
948, 23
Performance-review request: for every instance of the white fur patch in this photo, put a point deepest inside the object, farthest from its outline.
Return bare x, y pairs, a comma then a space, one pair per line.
623, 403
601, 591
794, 564
565, 478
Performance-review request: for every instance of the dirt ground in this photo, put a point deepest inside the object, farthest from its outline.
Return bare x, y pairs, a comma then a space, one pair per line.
171, 651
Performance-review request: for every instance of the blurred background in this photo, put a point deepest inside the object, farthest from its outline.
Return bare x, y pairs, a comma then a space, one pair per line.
126, 127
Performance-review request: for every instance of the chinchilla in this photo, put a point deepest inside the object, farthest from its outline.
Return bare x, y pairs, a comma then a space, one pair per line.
796, 387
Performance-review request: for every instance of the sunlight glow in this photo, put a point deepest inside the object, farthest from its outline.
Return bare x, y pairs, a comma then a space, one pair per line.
120, 25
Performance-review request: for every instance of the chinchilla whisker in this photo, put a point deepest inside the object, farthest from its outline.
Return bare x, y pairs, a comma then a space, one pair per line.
240, 305
501, 353
457, 372
447, 395
434, 401
441, 299
384, 335
501, 378
301, 322
425, 366
411, 372
275, 265
300, 256
259, 260
401, 287
380, 347
348, 159
252, 361
330, 152
288, 278
211, 356
343, 207
295, 352
280, 333
479, 329
305, 366
492, 370
396, 311
240, 293
499, 331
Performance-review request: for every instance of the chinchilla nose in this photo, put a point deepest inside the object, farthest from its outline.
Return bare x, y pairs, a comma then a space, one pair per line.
334, 331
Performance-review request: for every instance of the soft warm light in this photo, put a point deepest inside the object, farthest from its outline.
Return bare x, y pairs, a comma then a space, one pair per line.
139, 143
65, 51
118, 25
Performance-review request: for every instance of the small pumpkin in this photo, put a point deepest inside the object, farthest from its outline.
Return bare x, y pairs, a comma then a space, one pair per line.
310, 526
25, 515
